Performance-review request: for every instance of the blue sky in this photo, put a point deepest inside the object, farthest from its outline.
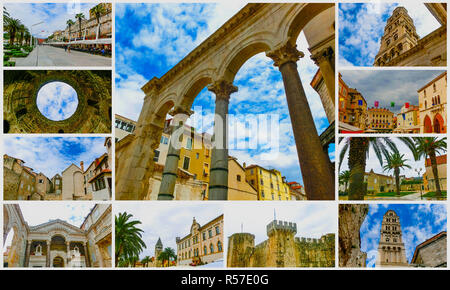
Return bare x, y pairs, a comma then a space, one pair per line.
152, 38
54, 154
57, 101
53, 15
361, 26
388, 86
418, 223
167, 222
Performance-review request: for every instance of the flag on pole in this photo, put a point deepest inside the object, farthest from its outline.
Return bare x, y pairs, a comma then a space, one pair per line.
407, 105
392, 104
376, 104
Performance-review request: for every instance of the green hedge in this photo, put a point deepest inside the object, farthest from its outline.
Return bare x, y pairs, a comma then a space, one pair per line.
9, 63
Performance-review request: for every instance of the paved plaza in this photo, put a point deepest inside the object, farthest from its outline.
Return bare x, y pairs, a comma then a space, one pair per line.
44, 55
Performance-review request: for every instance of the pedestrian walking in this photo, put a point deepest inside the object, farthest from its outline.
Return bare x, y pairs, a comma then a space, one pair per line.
65, 48
68, 48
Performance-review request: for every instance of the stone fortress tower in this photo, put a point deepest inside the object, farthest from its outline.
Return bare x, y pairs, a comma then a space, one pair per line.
281, 243
399, 36
281, 249
158, 250
391, 249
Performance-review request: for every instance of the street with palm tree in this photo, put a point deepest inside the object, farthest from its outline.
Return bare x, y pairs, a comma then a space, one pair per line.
392, 168
82, 37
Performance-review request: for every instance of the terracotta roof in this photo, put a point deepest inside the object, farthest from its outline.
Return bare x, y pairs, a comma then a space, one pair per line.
101, 172
439, 160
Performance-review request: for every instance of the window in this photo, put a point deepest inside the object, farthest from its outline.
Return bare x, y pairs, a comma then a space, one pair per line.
251, 171
156, 156
262, 183
238, 177
186, 163
57, 181
262, 193
41, 181
197, 156
204, 235
219, 246
211, 248
205, 250
207, 152
164, 140
189, 143
210, 233
217, 230
117, 123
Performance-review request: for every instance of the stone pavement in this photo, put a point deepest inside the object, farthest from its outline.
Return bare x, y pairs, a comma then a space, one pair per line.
44, 55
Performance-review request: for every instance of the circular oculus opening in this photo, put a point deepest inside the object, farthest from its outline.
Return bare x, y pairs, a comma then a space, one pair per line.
57, 101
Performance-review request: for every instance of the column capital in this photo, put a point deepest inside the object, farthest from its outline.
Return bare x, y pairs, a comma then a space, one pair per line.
324, 54
222, 89
284, 54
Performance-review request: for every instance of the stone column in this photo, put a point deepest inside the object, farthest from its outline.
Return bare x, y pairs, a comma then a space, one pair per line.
47, 261
325, 60
68, 254
86, 257
28, 253
318, 177
218, 180
169, 176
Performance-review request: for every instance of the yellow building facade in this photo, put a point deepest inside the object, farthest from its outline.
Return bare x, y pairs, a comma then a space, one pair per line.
407, 120
380, 120
269, 183
378, 182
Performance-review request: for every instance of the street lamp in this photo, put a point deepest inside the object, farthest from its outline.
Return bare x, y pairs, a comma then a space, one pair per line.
34, 38
418, 170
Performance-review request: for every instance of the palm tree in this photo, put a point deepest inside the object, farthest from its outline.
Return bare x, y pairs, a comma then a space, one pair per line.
166, 255
27, 37
396, 162
98, 11
22, 29
79, 17
145, 261
358, 152
69, 24
428, 147
344, 178
12, 27
129, 241
6, 16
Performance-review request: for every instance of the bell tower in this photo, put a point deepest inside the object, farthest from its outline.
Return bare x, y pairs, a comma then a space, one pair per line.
399, 36
391, 249
158, 250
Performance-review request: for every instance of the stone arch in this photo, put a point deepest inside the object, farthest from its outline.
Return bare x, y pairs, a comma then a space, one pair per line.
58, 262
194, 87
162, 109
438, 124
243, 51
428, 128
299, 18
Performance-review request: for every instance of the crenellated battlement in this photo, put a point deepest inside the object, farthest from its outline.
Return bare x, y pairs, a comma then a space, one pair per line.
281, 226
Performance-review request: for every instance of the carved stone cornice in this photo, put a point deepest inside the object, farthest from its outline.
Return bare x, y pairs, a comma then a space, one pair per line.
222, 89
152, 87
284, 54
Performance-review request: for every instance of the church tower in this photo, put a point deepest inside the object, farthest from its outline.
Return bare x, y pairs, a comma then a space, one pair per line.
391, 249
399, 36
158, 250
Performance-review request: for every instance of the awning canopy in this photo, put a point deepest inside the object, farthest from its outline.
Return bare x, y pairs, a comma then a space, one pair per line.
85, 41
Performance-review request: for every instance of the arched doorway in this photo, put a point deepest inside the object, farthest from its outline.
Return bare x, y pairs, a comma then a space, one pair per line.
427, 127
438, 126
58, 262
